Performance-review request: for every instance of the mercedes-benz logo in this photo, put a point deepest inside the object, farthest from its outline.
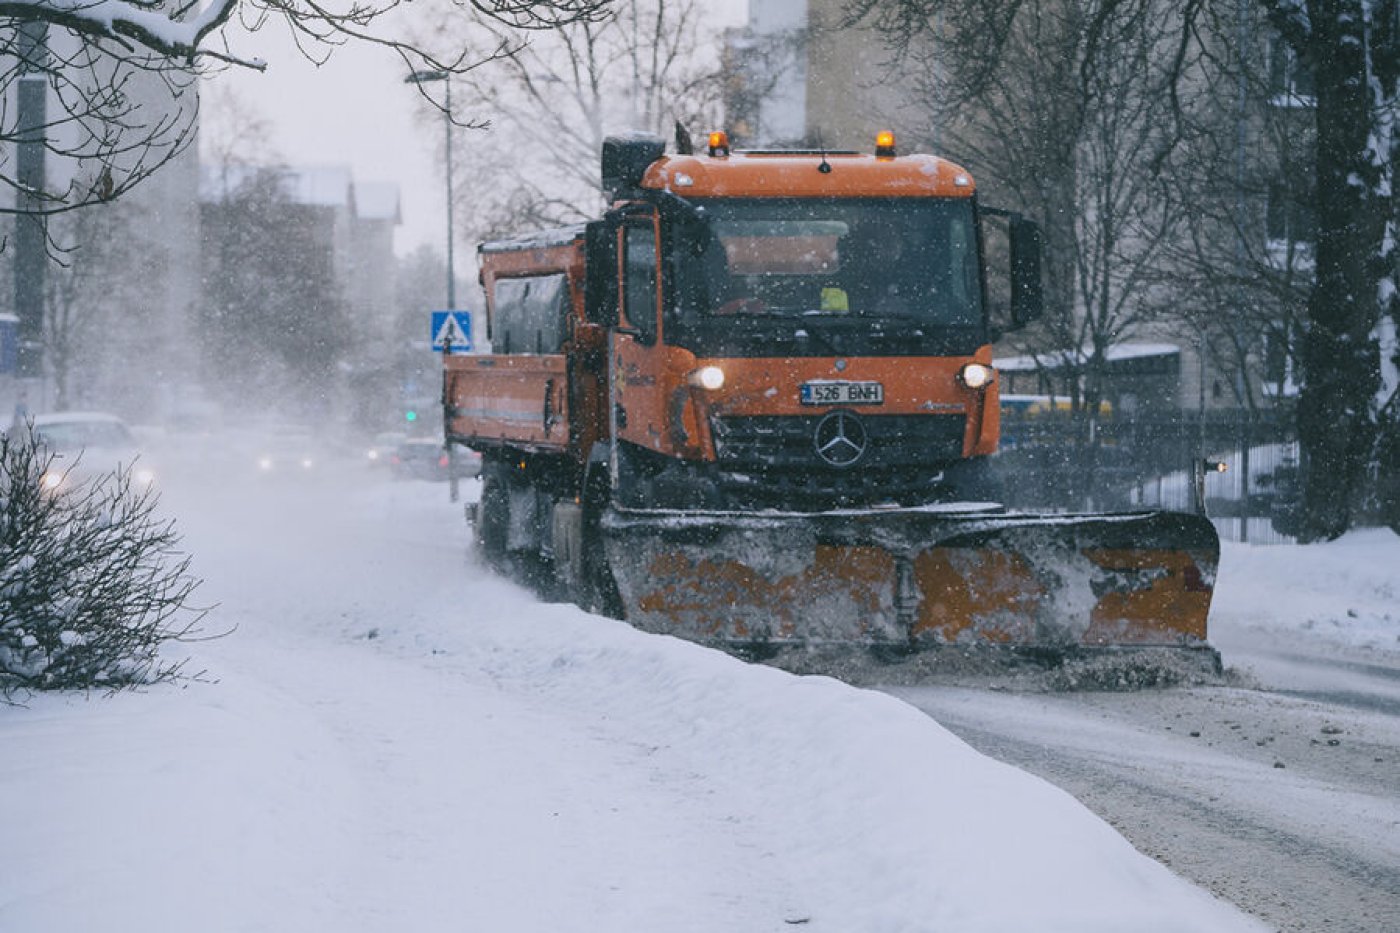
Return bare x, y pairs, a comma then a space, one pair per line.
840, 439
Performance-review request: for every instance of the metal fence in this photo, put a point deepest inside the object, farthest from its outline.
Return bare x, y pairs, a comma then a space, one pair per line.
1051, 460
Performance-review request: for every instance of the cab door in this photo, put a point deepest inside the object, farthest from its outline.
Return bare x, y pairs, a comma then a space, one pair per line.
639, 356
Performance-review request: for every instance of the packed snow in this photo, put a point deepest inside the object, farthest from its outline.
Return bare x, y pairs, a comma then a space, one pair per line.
389, 737
1342, 594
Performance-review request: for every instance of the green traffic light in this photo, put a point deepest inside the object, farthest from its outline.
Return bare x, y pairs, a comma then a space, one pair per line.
410, 416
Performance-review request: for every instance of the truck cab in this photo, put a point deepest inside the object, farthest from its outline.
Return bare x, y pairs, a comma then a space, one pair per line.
796, 328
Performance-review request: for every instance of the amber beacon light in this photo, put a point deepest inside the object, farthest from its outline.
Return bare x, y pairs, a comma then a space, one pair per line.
719, 143
884, 144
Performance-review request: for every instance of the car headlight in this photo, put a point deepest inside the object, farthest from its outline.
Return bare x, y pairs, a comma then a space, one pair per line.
975, 375
708, 377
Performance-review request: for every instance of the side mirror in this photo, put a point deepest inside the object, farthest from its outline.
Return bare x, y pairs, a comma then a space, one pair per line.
1027, 301
600, 296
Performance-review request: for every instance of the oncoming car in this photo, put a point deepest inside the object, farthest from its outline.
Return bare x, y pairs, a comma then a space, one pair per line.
381, 450
88, 446
287, 453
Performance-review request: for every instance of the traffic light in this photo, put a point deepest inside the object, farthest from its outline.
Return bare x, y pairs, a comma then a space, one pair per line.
410, 416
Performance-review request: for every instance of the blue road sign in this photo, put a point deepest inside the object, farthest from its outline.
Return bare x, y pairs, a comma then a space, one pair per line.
452, 328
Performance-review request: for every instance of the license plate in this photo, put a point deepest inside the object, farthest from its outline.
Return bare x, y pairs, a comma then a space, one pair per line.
842, 393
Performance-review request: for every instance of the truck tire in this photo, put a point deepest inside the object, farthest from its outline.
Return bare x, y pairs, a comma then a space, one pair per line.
493, 515
596, 590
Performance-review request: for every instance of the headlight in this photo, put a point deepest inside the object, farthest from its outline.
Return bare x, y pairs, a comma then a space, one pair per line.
975, 375
264, 463
708, 377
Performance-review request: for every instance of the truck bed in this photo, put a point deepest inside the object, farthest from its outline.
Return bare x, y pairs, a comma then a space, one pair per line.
518, 400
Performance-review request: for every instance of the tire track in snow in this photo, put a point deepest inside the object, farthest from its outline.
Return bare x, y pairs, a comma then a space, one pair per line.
1298, 867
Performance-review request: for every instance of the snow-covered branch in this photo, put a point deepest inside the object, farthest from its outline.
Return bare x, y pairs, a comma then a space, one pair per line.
134, 25
120, 77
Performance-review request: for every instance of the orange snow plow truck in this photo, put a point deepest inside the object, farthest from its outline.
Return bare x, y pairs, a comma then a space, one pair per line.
755, 405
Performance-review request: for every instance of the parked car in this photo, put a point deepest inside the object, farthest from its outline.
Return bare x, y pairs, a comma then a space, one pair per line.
89, 445
420, 458
381, 448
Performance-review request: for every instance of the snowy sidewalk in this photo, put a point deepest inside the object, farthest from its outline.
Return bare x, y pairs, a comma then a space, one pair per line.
394, 740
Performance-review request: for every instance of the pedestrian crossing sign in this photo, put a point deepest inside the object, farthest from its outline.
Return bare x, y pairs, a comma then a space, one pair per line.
452, 331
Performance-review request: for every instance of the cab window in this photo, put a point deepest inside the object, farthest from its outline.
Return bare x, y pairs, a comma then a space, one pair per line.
639, 270
529, 314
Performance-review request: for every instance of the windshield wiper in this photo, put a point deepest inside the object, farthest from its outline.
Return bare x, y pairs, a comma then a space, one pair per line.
817, 335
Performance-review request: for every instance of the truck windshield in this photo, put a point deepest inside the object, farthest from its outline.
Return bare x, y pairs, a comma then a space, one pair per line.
913, 259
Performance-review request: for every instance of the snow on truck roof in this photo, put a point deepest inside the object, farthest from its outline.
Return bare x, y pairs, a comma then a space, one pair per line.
798, 174
540, 239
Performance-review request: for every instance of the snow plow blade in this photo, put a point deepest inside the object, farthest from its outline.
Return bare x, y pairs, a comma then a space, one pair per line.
912, 578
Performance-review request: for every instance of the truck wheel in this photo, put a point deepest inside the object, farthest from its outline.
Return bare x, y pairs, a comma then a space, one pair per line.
493, 516
596, 590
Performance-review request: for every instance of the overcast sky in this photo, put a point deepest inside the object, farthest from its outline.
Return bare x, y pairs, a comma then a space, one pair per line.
356, 110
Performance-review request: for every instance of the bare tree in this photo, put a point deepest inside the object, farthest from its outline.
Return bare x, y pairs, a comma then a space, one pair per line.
104, 117
1353, 50
274, 316
1240, 273
1064, 110
97, 252
756, 67
644, 66
118, 78
417, 285
1124, 220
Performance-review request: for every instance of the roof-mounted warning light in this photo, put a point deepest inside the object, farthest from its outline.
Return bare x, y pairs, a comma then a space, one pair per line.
719, 144
884, 144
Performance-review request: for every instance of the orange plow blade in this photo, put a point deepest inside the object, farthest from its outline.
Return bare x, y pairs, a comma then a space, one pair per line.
917, 577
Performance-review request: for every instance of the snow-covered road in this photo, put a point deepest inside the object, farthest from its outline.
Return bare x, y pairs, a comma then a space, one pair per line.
1281, 795
1289, 808
390, 738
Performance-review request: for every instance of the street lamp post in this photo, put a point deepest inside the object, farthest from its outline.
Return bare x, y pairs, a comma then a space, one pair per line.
423, 77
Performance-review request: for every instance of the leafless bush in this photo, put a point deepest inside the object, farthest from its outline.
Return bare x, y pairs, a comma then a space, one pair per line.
91, 581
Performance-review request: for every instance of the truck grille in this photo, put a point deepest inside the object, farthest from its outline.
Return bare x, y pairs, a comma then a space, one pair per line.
765, 443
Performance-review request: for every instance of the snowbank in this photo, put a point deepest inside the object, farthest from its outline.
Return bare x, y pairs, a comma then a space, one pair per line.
1344, 593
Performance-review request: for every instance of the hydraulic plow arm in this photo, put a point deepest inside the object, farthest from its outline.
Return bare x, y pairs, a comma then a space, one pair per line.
916, 577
